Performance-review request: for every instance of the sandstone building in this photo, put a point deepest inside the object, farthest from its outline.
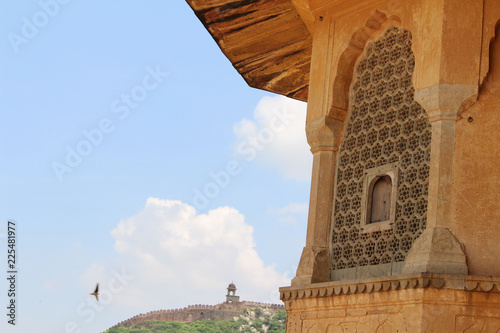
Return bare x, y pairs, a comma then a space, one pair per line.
402, 119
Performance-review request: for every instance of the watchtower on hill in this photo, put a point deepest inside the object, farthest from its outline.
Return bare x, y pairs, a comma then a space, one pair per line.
228, 310
231, 294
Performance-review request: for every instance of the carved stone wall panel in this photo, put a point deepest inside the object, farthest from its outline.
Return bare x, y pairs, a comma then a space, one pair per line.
473, 324
407, 303
385, 125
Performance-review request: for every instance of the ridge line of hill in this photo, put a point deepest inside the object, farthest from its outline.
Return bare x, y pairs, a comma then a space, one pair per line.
191, 313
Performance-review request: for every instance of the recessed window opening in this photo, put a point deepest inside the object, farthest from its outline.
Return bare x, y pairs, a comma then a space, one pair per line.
381, 199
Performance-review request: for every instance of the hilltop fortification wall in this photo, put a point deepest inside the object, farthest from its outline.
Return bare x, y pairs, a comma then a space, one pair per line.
223, 311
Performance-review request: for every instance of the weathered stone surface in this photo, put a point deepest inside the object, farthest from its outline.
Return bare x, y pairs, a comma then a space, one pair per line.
437, 250
313, 266
476, 186
404, 303
265, 40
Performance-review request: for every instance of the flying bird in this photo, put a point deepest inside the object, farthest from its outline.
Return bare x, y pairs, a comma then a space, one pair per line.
96, 292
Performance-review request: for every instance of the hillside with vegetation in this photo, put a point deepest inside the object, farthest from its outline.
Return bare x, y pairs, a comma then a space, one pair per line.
250, 321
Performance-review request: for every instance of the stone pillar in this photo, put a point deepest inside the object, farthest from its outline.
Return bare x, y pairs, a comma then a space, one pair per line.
437, 250
323, 137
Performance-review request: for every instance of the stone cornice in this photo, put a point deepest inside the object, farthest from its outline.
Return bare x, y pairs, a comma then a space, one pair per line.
391, 283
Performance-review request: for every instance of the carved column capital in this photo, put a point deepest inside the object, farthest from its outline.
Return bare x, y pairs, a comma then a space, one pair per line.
323, 134
446, 101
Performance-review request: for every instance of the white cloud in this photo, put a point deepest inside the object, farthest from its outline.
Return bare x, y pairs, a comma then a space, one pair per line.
291, 213
294, 207
178, 257
51, 285
276, 137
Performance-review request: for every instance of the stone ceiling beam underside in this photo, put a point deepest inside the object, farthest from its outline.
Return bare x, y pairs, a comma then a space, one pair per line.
266, 41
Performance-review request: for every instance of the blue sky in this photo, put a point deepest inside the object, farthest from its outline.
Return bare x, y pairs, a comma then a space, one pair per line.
114, 115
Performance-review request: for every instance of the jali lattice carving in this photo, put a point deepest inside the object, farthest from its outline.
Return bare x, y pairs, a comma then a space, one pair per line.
385, 125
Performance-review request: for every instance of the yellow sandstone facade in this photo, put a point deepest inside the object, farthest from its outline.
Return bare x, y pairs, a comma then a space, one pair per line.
403, 114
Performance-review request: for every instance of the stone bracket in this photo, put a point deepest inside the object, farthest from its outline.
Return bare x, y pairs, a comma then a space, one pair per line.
323, 133
437, 250
314, 266
446, 101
